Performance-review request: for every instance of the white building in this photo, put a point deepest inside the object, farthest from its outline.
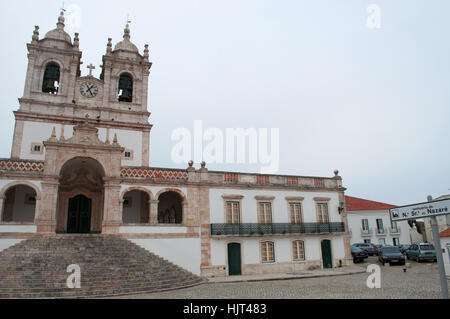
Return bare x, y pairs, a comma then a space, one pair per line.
370, 222
80, 164
445, 245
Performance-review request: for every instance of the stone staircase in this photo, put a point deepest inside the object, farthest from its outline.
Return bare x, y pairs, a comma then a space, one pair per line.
110, 266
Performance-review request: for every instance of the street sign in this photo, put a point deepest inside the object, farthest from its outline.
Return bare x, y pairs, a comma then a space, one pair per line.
422, 210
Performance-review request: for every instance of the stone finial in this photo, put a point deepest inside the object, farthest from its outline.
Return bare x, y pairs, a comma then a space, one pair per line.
336, 173
146, 52
76, 41
62, 138
115, 140
127, 32
35, 37
109, 46
60, 25
191, 163
203, 164
53, 136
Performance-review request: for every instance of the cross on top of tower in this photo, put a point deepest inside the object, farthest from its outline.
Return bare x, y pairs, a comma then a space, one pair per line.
90, 67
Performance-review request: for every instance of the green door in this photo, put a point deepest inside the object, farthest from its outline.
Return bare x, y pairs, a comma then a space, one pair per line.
234, 259
326, 254
79, 215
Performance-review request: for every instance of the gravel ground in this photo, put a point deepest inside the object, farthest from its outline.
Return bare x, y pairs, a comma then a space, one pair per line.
419, 282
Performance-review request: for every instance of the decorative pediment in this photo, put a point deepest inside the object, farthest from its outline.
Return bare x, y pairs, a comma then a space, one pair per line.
84, 134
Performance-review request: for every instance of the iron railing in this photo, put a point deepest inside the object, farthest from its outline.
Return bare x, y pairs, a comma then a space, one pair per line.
275, 229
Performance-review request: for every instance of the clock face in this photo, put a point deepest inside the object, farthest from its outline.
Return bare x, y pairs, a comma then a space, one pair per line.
89, 89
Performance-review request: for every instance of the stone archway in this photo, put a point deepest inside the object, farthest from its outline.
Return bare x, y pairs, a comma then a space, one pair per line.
80, 177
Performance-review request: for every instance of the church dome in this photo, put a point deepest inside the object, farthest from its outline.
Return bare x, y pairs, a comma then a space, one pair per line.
59, 33
126, 44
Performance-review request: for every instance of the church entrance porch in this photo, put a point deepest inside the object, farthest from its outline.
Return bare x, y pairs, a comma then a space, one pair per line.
80, 197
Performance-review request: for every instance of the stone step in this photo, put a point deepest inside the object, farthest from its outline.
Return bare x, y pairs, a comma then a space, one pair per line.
110, 265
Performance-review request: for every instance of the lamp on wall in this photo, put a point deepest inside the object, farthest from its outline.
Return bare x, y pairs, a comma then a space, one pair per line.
341, 207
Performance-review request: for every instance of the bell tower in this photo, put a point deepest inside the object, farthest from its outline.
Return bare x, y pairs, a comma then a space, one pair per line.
56, 97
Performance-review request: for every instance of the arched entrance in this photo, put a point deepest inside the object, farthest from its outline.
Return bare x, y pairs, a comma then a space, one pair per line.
80, 197
19, 204
170, 208
136, 207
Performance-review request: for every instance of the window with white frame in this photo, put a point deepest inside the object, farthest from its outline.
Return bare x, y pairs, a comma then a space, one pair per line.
295, 210
365, 225
233, 212
37, 148
322, 213
267, 252
264, 213
298, 250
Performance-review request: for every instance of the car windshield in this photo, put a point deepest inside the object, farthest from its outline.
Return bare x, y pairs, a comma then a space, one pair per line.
356, 249
390, 250
427, 247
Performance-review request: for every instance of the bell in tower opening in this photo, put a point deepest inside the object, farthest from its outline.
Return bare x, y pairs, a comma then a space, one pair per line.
51, 79
125, 88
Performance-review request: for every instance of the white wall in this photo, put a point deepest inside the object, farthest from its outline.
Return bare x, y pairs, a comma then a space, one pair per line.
445, 244
355, 225
6, 243
38, 132
132, 215
280, 211
251, 249
184, 252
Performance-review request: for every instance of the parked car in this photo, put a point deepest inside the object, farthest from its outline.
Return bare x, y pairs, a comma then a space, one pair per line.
358, 254
378, 247
421, 251
404, 248
370, 249
391, 254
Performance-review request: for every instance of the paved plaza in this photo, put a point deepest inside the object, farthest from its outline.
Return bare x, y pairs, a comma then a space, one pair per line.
421, 281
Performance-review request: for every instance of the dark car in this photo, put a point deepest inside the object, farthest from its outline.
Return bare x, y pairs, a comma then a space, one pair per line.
370, 249
391, 255
358, 254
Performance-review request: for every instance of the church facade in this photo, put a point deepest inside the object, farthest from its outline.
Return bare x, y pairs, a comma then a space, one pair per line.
80, 165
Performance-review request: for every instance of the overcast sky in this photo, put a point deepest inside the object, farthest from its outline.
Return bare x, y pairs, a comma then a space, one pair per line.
373, 103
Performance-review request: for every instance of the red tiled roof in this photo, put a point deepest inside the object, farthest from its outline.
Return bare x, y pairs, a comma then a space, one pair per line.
354, 203
445, 233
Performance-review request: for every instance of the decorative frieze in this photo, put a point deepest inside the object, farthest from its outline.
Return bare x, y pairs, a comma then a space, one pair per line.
133, 172
21, 166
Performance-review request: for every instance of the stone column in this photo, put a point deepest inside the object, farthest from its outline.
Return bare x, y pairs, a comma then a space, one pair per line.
112, 217
17, 139
2, 200
153, 211
145, 148
45, 219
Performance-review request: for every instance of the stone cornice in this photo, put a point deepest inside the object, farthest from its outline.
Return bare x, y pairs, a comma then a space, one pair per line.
83, 107
71, 121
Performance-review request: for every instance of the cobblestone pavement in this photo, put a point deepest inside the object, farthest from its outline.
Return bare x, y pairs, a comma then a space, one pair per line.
420, 281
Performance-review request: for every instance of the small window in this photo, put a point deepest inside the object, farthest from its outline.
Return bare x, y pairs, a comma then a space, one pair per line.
125, 92
267, 252
128, 155
298, 250
36, 148
50, 83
